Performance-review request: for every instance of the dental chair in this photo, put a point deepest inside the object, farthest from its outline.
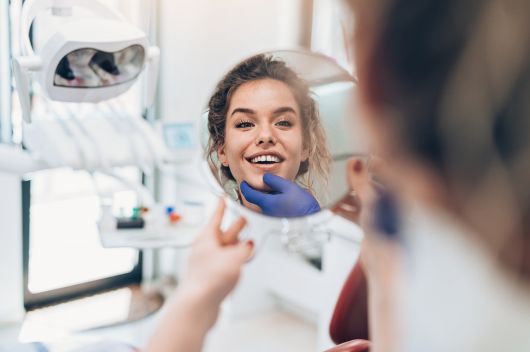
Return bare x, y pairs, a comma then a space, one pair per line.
349, 324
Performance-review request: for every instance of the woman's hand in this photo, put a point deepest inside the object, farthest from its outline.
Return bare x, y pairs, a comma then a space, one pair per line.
214, 268
216, 259
285, 200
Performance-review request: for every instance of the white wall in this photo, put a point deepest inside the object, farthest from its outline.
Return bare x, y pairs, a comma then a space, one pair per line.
201, 39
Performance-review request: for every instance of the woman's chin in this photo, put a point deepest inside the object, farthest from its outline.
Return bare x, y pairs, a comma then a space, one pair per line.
257, 183
260, 186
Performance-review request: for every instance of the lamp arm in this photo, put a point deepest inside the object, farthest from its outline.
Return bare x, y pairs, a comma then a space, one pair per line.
21, 69
153, 57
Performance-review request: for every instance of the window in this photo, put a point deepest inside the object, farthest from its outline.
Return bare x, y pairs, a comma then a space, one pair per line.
63, 257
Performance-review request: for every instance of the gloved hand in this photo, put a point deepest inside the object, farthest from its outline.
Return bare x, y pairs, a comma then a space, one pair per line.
286, 199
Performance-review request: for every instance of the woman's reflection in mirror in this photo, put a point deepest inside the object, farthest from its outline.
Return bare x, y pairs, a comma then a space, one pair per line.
266, 142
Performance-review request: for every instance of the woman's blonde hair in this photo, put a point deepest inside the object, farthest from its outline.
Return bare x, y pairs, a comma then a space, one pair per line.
312, 172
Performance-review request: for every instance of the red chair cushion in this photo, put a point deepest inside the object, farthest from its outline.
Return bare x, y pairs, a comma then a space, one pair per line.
350, 318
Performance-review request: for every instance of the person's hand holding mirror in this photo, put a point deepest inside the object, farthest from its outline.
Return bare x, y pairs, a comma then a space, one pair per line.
283, 199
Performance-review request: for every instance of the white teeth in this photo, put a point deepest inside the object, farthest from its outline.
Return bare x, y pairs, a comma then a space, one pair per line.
265, 158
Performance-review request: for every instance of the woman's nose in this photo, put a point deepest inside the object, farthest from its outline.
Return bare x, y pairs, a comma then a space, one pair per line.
266, 136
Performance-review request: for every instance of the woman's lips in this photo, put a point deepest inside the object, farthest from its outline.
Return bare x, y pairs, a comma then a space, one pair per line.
265, 161
265, 167
265, 158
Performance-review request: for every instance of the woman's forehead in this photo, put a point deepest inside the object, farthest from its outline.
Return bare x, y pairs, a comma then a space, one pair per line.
263, 96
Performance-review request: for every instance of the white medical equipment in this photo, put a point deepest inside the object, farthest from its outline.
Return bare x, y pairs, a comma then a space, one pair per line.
90, 59
86, 59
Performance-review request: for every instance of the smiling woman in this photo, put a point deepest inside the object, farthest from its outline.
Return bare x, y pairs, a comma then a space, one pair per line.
265, 138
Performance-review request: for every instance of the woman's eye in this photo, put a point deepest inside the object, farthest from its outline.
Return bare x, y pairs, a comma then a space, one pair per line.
244, 124
284, 123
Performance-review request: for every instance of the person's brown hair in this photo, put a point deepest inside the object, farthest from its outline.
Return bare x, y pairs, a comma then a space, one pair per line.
452, 80
316, 167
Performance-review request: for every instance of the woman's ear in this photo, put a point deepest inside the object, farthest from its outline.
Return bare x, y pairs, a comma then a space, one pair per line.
221, 155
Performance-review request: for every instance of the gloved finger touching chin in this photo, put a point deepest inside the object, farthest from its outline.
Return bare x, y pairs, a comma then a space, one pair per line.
252, 195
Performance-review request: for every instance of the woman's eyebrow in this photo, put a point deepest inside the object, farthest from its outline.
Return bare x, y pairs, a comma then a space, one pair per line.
243, 111
283, 110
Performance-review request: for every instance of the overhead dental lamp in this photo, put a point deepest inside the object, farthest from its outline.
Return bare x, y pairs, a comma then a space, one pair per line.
86, 59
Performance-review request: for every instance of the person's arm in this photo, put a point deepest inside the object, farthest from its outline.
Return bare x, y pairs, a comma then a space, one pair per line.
188, 318
381, 259
214, 267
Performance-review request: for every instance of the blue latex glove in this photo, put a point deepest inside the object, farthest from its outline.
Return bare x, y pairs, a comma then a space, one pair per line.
286, 199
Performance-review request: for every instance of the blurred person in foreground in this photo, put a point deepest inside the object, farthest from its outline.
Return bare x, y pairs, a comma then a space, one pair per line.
445, 90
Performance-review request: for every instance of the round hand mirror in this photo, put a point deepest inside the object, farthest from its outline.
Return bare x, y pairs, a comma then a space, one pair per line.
278, 132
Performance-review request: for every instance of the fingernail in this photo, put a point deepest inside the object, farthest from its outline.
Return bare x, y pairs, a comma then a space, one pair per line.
358, 166
250, 245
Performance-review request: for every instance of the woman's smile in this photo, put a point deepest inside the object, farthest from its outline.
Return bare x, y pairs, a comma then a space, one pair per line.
266, 161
